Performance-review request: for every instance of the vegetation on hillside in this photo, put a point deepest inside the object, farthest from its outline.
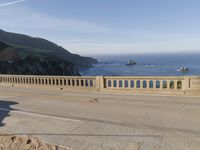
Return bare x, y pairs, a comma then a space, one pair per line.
22, 54
27, 45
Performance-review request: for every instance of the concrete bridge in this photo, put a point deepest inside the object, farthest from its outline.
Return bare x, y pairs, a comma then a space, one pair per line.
103, 113
159, 84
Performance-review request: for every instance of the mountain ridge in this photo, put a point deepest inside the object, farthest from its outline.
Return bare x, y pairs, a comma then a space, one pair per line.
23, 54
28, 45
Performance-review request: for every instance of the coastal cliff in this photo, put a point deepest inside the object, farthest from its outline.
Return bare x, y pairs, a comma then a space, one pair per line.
22, 54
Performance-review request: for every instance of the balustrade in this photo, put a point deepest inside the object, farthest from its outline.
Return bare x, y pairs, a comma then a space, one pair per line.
100, 83
145, 83
49, 81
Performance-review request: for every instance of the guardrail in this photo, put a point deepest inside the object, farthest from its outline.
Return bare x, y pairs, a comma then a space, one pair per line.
50, 81
139, 84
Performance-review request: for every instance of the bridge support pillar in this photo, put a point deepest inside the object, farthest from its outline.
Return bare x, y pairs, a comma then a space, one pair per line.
100, 83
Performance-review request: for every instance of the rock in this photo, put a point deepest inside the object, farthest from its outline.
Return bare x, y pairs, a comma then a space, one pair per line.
26, 143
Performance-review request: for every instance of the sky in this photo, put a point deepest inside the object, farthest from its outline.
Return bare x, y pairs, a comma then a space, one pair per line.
90, 27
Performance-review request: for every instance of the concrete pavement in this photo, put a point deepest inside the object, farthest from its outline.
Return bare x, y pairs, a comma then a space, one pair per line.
92, 121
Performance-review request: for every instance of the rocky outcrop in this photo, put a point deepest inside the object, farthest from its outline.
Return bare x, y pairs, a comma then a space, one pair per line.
11, 142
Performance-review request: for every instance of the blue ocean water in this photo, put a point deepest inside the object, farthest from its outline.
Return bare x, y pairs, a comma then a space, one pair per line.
147, 65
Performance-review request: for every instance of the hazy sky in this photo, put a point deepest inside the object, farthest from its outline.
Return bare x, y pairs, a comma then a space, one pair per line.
107, 26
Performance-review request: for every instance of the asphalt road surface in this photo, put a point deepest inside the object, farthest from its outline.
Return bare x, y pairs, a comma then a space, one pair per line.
101, 121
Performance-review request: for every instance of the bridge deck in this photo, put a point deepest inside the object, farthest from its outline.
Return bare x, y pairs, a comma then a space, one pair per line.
91, 121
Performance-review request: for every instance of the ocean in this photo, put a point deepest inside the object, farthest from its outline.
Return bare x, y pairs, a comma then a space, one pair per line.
147, 65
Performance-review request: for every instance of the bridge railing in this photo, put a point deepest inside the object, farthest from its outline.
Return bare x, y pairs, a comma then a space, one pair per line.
51, 81
146, 84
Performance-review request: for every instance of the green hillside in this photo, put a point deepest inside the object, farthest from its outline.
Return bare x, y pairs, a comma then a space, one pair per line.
27, 45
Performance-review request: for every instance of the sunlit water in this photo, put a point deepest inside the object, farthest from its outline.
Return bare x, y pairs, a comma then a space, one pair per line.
147, 65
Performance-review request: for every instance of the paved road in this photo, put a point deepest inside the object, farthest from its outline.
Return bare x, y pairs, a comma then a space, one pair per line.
93, 121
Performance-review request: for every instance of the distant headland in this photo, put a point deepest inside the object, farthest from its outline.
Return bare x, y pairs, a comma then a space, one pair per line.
23, 54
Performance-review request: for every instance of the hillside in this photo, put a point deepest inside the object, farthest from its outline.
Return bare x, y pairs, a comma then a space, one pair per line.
27, 45
8, 53
22, 54
11, 63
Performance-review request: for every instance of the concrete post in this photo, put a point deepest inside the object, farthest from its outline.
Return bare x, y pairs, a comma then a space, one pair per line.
154, 84
161, 84
147, 84
175, 84
100, 83
186, 84
168, 84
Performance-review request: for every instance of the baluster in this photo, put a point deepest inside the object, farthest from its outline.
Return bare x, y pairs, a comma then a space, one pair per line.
161, 84
175, 84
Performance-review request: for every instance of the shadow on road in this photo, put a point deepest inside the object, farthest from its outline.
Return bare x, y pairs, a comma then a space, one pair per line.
5, 108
